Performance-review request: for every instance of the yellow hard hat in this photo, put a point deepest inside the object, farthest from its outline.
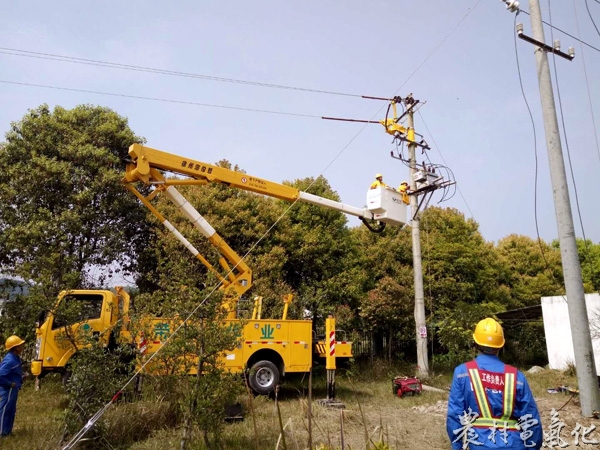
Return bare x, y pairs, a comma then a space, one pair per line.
488, 333
13, 341
378, 175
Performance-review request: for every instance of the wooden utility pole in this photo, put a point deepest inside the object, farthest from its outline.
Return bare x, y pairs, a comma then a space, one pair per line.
420, 325
589, 394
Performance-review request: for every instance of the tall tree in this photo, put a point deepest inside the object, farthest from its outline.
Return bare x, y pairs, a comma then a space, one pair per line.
63, 212
531, 270
458, 264
589, 255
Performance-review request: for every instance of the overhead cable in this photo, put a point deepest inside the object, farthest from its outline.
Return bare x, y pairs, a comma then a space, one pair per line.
562, 119
535, 154
156, 99
565, 33
591, 17
113, 65
587, 83
77, 438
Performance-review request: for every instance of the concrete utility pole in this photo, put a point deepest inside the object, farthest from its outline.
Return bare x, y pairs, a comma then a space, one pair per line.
421, 327
580, 329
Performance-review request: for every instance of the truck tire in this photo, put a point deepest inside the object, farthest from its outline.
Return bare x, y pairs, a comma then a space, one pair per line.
263, 377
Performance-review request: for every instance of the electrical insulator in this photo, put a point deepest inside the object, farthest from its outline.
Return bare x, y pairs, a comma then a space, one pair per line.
519, 28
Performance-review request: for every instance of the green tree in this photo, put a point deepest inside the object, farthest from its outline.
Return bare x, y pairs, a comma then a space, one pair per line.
63, 211
589, 256
389, 309
318, 250
458, 264
462, 278
198, 337
531, 270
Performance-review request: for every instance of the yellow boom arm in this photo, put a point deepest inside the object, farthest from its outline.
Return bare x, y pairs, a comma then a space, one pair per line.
384, 205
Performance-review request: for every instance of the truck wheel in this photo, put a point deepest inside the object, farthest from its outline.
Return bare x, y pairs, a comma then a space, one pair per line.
263, 377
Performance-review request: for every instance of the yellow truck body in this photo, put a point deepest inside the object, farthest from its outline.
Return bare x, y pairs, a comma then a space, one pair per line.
268, 348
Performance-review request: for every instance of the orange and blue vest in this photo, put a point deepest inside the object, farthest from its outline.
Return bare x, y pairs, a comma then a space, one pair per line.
504, 414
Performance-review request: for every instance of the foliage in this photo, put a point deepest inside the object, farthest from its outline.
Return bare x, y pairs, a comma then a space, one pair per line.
62, 208
95, 374
458, 264
525, 344
389, 309
530, 270
589, 256
194, 346
455, 326
318, 251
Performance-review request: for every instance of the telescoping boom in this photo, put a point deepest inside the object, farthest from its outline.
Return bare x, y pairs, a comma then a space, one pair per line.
384, 205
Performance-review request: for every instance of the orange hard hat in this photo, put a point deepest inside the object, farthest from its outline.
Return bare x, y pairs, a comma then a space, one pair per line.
489, 333
13, 341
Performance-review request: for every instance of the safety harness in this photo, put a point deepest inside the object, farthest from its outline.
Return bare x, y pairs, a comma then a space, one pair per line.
505, 382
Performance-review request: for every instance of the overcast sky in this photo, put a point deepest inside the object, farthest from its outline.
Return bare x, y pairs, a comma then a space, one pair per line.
475, 117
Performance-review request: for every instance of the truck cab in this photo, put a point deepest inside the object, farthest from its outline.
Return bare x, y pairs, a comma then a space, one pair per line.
77, 316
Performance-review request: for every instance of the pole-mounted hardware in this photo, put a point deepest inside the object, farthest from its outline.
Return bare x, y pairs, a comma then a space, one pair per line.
555, 48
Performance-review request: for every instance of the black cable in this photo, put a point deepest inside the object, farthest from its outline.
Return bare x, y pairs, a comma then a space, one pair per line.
564, 128
591, 17
564, 32
535, 153
139, 97
100, 63
587, 82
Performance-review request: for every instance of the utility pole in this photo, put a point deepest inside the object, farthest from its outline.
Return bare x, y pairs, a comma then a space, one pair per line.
420, 325
580, 329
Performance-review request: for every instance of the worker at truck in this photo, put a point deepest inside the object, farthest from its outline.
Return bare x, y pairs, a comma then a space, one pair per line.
11, 378
490, 403
378, 182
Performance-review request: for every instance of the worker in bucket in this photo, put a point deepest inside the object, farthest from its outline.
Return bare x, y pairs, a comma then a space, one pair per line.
11, 378
403, 189
490, 404
378, 182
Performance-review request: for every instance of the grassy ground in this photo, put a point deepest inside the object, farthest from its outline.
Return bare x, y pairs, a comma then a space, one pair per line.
372, 416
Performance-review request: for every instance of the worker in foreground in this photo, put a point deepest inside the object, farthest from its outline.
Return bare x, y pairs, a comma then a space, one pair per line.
11, 379
490, 403
378, 182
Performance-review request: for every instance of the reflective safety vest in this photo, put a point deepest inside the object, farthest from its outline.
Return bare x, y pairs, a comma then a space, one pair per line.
506, 383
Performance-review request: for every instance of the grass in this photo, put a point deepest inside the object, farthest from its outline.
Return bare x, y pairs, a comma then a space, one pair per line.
373, 417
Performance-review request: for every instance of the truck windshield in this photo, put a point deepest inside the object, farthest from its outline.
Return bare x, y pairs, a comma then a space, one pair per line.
78, 308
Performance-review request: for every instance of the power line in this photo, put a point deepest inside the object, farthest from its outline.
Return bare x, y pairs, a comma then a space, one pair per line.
564, 32
79, 435
535, 153
113, 65
156, 99
591, 17
587, 83
443, 159
562, 119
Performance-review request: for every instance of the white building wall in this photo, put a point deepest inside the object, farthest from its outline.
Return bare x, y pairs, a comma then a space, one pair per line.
558, 330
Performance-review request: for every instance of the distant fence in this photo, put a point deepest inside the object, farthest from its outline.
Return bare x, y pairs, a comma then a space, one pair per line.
367, 344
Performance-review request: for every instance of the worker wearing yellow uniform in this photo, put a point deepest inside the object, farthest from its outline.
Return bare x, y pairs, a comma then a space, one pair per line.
403, 189
378, 182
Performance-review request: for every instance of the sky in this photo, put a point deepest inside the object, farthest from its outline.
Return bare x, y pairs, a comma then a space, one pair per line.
456, 56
